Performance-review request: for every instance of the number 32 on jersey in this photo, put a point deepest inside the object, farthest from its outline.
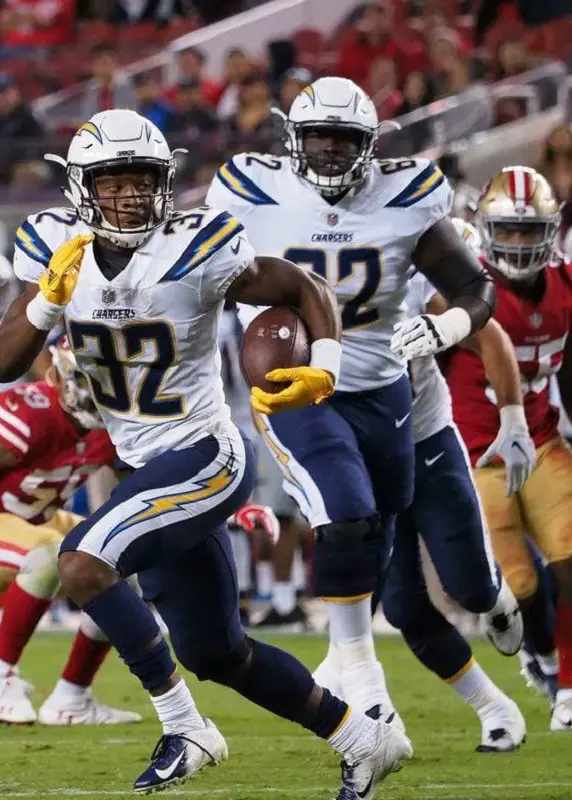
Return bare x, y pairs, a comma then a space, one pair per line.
356, 312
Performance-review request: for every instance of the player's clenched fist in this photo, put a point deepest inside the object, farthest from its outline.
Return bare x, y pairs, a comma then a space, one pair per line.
57, 284
307, 385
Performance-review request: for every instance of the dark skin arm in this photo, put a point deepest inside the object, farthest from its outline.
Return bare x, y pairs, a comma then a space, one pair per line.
270, 281
20, 341
565, 378
493, 346
448, 263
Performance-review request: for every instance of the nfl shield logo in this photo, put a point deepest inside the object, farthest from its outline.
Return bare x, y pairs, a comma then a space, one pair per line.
535, 319
108, 296
333, 219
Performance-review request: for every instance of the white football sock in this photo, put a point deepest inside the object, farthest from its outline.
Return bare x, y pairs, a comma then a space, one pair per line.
284, 597
548, 664
241, 551
177, 711
264, 578
299, 578
64, 691
361, 675
5, 668
475, 686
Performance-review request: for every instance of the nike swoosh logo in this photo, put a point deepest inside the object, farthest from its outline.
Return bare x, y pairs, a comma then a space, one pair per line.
164, 774
430, 461
364, 793
237, 248
519, 446
402, 421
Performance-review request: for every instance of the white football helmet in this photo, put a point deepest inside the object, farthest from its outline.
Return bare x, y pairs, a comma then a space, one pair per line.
469, 234
118, 140
335, 104
75, 394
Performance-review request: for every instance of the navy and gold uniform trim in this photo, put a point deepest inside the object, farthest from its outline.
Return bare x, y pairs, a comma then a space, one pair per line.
242, 186
31, 243
205, 244
426, 182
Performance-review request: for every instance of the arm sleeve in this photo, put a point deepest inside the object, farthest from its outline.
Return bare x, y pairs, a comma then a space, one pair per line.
19, 429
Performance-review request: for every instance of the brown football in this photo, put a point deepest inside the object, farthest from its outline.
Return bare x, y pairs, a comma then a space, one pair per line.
277, 338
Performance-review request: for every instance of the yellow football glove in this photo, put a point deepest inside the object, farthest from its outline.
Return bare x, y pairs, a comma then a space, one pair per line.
59, 281
307, 385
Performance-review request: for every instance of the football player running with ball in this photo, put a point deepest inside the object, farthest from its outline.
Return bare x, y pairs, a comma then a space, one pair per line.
141, 289
518, 218
360, 224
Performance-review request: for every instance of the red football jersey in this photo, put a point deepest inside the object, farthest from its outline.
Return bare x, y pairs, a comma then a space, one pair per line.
538, 332
55, 457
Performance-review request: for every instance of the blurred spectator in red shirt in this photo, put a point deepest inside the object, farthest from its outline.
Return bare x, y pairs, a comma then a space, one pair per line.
190, 67
238, 66
382, 87
29, 25
252, 127
454, 79
294, 81
373, 36
150, 104
109, 88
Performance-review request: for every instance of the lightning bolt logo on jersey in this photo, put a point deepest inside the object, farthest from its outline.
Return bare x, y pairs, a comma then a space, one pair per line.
147, 338
362, 245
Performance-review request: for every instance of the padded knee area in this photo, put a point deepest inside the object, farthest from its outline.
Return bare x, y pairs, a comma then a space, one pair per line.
38, 574
347, 557
478, 600
222, 661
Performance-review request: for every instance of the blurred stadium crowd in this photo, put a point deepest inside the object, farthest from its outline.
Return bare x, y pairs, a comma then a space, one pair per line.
404, 53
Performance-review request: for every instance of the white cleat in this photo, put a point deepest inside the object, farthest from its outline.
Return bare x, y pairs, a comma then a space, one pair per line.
561, 716
83, 711
503, 727
15, 706
504, 622
359, 780
177, 757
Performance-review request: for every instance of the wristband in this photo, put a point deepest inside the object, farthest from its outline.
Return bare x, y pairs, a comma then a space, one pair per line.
326, 354
455, 325
42, 314
512, 415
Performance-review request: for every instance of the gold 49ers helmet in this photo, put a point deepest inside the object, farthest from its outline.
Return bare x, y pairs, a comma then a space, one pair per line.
518, 218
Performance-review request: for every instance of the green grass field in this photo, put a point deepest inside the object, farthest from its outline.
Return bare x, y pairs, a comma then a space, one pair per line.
274, 760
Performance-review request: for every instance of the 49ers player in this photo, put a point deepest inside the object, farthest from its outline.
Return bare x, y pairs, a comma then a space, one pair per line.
518, 218
51, 440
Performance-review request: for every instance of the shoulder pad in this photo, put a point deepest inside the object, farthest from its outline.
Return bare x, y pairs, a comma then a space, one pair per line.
202, 233
415, 180
42, 233
252, 177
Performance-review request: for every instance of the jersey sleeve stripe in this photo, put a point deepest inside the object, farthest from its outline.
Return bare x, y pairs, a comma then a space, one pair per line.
32, 244
12, 439
426, 182
15, 422
241, 185
205, 244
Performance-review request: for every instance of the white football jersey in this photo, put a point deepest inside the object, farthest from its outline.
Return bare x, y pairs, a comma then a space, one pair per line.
431, 397
362, 245
147, 339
